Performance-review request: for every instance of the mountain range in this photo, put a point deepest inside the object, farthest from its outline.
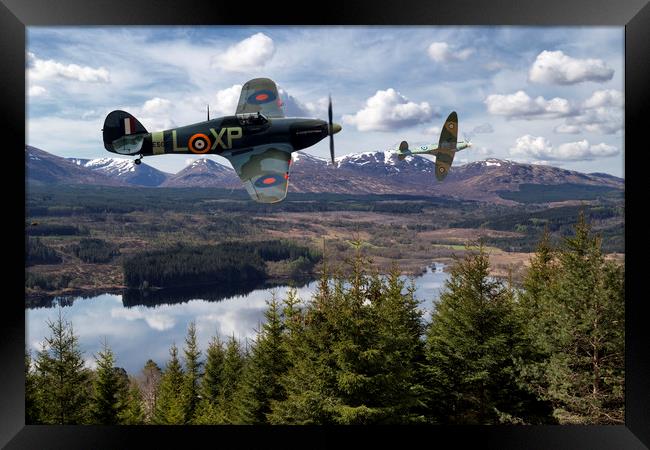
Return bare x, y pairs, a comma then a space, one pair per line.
359, 173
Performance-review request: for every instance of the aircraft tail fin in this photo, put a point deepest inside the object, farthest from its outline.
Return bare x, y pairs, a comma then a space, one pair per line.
123, 133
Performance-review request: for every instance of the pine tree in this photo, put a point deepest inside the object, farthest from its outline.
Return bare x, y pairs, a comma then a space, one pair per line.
535, 306
169, 405
473, 341
62, 378
233, 366
308, 347
354, 352
268, 362
109, 390
311, 381
132, 412
584, 374
208, 411
401, 349
192, 374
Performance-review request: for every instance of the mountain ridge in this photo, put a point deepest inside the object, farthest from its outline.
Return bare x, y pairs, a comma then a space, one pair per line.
357, 173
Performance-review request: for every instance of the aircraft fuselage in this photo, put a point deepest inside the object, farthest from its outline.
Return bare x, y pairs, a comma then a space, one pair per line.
232, 135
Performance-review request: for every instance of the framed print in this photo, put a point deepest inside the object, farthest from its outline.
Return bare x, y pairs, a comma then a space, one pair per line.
224, 205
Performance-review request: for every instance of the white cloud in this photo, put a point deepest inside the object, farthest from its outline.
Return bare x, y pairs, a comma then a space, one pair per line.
35, 91
227, 100
558, 68
41, 69
601, 113
481, 151
156, 105
571, 151
158, 320
603, 149
528, 146
485, 128
441, 52
521, 106
604, 98
539, 149
434, 130
292, 106
567, 129
250, 54
388, 110
318, 108
598, 120
156, 114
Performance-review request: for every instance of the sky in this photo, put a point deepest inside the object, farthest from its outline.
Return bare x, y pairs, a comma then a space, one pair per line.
543, 95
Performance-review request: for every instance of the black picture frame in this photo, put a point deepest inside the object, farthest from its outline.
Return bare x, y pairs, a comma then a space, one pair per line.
634, 15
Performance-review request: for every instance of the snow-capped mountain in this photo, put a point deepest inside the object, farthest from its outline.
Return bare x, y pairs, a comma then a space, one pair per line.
44, 168
205, 173
383, 172
360, 173
125, 169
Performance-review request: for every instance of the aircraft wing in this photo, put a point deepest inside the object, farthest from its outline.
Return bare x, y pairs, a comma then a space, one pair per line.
260, 95
264, 170
447, 146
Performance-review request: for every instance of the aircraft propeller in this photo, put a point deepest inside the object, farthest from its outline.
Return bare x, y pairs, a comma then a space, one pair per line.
333, 129
467, 139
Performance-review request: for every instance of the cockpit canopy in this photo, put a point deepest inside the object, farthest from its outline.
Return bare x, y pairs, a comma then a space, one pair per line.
256, 118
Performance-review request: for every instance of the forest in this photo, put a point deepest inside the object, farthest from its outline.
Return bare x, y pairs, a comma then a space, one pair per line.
548, 351
225, 263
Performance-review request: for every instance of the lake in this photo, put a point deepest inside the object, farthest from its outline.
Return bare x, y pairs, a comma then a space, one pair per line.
144, 328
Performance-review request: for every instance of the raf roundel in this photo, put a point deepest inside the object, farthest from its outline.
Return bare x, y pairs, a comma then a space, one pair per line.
269, 180
199, 144
262, 96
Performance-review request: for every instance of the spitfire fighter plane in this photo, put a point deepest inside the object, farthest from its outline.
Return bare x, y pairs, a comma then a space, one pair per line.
444, 151
258, 140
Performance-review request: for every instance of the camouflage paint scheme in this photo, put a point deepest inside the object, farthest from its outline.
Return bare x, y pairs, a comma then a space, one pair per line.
258, 140
444, 151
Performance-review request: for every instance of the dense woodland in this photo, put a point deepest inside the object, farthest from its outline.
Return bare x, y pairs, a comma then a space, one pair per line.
226, 263
95, 250
38, 253
359, 352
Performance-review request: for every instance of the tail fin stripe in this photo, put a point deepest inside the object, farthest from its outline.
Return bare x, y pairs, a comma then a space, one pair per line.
128, 125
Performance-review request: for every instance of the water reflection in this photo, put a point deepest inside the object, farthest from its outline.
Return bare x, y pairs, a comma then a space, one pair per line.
135, 297
140, 327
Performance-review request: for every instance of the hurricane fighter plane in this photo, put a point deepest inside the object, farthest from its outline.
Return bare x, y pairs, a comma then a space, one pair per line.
258, 140
444, 150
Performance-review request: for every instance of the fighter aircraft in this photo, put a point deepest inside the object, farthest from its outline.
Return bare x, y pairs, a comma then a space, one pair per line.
444, 150
258, 140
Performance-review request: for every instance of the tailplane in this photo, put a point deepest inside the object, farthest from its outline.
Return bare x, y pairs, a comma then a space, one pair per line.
123, 133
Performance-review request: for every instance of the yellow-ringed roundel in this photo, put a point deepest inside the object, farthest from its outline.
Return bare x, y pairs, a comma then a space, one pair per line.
269, 180
441, 169
199, 143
